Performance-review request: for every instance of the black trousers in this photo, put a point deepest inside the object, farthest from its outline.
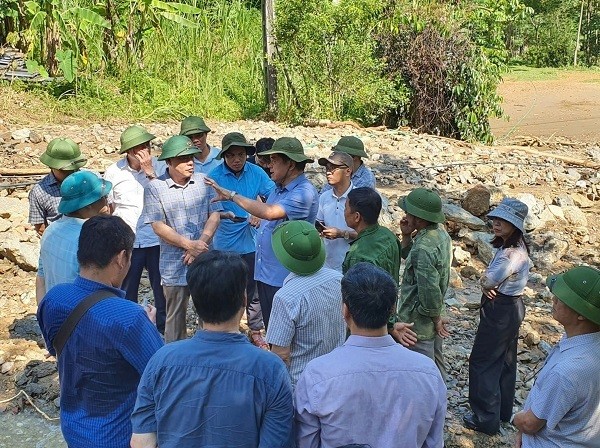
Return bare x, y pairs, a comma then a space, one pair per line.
253, 310
146, 257
265, 294
493, 360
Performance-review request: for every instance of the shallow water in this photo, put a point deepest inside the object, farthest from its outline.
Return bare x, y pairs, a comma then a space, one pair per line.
29, 430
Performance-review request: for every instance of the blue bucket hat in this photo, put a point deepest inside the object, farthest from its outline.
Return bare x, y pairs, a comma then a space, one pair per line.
81, 189
511, 210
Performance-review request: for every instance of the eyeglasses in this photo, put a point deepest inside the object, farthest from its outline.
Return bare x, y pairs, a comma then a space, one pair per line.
333, 168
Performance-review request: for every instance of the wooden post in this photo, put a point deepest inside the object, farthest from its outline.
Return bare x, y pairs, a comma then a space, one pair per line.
578, 34
269, 71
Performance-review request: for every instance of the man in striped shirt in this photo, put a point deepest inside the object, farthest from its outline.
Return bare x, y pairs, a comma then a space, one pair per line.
306, 321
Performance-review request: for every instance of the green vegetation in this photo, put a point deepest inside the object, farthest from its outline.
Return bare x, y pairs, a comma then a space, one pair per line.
432, 64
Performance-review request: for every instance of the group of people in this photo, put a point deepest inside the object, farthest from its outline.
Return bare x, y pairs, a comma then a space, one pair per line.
353, 354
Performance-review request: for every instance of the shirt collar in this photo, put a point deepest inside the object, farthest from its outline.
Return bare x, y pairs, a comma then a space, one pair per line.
344, 194
424, 230
368, 231
91, 285
358, 172
51, 179
212, 154
220, 336
229, 171
566, 343
171, 183
293, 183
370, 342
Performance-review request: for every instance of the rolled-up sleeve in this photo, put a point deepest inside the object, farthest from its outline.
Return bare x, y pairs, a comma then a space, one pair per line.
428, 284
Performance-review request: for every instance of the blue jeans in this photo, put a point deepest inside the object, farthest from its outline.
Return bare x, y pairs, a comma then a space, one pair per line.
146, 257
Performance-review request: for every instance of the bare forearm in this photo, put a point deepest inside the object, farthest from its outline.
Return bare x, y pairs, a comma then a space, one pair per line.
527, 422
169, 235
40, 288
211, 227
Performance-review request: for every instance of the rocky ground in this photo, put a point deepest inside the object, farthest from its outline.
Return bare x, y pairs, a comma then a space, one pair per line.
559, 179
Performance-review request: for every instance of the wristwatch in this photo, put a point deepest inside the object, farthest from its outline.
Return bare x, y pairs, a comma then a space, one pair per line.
347, 235
151, 176
232, 194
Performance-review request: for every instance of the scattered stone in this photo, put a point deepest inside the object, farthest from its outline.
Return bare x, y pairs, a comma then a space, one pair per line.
455, 280
14, 209
21, 134
35, 138
461, 256
469, 272
7, 367
575, 216
23, 254
477, 200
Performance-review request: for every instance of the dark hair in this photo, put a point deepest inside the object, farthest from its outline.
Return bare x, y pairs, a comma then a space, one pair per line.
367, 202
217, 282
370, 293
514, 240
264, 144
101, 238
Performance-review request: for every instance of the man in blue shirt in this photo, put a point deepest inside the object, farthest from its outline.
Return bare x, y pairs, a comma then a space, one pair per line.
294, 198
103, 359
237, 230
196, 130
215, 389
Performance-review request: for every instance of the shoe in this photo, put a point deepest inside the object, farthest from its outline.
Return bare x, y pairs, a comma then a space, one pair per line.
470, 422
257, 339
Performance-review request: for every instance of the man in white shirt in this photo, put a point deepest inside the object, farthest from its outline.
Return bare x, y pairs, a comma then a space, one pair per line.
331, 223
129, 177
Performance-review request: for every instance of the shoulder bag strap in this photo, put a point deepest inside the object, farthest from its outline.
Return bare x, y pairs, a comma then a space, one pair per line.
65, 330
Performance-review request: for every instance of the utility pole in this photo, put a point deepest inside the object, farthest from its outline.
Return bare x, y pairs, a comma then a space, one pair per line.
270, 74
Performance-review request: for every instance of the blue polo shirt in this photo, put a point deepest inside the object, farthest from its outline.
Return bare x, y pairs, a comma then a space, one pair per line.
300, 201
239, 237
101, 363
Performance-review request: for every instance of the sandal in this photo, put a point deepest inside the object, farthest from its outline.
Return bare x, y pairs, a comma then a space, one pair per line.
258, 340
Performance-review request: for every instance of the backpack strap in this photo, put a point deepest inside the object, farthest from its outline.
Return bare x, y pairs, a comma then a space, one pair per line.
65, 330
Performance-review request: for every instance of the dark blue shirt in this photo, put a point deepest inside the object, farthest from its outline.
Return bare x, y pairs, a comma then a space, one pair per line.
215, 390
100, 365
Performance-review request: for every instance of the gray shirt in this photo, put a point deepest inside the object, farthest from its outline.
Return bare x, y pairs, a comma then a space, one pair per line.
307, 317
508, 271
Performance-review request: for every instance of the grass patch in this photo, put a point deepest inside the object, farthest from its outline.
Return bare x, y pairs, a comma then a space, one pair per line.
522, 73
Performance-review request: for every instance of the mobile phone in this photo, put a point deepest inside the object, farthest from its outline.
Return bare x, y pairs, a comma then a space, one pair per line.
320, 226
239, 218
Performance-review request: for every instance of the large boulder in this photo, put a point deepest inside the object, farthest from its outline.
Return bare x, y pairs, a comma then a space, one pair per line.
477, 200
13, 209
459, 215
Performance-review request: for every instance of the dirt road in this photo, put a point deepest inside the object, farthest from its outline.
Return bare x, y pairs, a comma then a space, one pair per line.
567, 106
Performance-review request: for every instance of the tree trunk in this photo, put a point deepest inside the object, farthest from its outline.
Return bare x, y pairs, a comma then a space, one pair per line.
578, 34
270, 73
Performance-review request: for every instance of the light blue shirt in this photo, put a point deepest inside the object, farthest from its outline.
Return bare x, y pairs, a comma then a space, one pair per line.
331, 212
58, 252
184, 208
370, 391
232, 236
307, 317
210, 163
566, 394
300, 201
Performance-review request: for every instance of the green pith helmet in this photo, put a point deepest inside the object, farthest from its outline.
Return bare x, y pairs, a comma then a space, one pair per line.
351, 145
579, 289
63, 154
134, 136
424, 204
178, 145
235, 139
298, 247
193, 125
289, 146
